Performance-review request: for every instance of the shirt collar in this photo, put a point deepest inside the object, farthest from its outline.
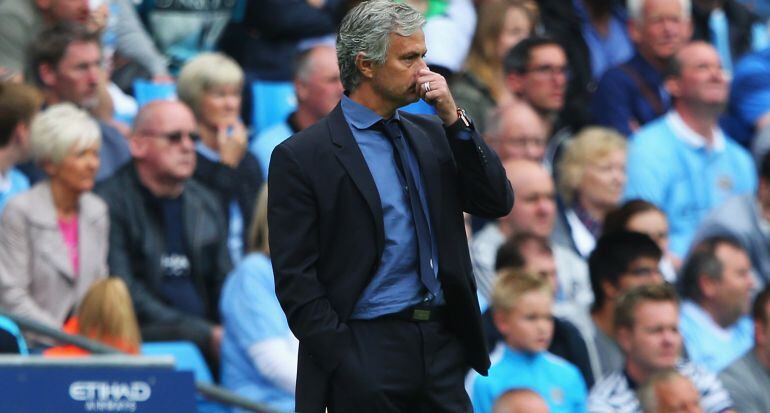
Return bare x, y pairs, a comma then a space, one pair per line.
359, 115
692, 138
207, 152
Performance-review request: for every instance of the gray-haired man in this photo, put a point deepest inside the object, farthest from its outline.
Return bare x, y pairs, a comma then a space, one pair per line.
366, 230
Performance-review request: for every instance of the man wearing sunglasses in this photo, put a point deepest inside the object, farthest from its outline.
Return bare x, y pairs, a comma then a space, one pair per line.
168, 237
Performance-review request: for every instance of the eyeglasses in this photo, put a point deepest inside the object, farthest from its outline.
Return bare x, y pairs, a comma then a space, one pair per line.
643, 271
549, 70
524, 142
174, 136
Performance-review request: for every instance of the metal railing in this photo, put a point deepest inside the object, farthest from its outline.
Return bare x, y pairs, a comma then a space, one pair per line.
212, 392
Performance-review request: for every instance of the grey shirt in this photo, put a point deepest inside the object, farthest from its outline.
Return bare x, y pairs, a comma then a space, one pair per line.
748, 383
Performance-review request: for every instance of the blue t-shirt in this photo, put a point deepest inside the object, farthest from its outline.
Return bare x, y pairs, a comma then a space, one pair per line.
251, 314
14, 183
710, 345
177, 286
552, 377
669, 166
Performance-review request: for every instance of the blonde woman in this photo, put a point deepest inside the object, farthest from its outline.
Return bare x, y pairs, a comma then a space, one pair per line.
501, 25
53, 238
591, 179
259, 352
211, 84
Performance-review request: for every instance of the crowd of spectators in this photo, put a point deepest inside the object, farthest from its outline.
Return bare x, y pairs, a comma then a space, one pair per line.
635, 135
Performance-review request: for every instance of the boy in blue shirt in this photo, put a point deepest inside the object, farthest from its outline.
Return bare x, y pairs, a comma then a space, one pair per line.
523, 307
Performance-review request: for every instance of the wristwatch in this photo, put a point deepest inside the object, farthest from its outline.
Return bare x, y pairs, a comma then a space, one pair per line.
464, 118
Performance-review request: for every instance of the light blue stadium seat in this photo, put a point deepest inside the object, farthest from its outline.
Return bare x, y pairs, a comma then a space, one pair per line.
10, 326
186, 355
145, 91
271, 103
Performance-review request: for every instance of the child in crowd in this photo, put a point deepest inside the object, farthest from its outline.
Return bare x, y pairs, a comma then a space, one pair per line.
105, 315
523, 314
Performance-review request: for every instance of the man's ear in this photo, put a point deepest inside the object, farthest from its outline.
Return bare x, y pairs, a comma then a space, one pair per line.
137, 146
672, 86
708, 286
301, 90
47, 74
365, 66
633, 31
500, 318
514, 81
611, 291
623, 338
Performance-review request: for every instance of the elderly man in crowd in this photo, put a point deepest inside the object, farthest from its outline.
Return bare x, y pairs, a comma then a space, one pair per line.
632, 94
534, 212
683, 162
669, 392
646, 328
168, 238
515, 131
318, 89
748, 378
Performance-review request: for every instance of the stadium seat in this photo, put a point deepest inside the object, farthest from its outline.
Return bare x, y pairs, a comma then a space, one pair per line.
186, 355
271, 103
146, 91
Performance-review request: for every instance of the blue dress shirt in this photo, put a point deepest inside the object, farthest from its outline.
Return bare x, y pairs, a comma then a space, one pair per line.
396, 285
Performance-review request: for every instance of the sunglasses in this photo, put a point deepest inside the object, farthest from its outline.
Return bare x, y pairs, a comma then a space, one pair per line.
174, 136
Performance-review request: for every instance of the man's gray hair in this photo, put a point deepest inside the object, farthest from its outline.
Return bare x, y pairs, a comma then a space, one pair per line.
648, 397
636, 12
366, 29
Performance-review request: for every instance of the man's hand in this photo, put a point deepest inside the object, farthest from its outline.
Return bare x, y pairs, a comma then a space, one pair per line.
232, 142
433, 88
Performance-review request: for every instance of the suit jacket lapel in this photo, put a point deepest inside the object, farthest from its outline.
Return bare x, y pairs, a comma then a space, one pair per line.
426, 156
351, 158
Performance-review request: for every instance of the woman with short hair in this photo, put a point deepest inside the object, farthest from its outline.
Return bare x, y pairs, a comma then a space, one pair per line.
54, 238
211, 85
591, 179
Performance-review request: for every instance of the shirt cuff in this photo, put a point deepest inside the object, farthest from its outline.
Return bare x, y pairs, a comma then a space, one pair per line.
459, 131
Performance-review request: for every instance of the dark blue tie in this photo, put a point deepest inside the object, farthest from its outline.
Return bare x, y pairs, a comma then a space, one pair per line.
390, 128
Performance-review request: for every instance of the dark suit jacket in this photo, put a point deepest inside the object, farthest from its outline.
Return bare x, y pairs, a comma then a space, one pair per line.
327, 237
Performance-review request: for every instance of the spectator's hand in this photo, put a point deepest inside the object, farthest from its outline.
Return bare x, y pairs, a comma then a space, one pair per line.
232, 142
316, 3
97, 20
216, 340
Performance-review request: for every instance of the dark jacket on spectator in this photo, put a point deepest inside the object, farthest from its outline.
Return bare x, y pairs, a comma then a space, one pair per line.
275, 27
137, 243
241, 184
